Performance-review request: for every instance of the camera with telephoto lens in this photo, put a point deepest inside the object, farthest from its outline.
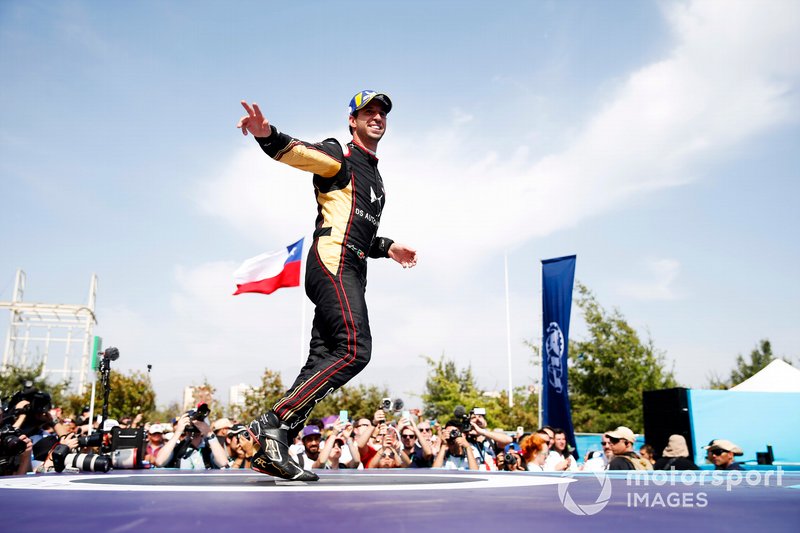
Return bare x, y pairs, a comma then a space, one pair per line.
85, 462
95, 440
11, 444
11, 447
454, 434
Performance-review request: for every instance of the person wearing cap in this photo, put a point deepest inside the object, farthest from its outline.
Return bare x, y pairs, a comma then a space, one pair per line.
722, 453
309, 455
155, 441
621, 442
350, 199
239, 446
220, 427
512, 460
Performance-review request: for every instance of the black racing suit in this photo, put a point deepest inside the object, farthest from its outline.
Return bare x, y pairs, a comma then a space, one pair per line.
350, 198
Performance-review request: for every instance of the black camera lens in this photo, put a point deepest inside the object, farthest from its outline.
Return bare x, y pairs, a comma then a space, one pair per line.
10, 442
91, 441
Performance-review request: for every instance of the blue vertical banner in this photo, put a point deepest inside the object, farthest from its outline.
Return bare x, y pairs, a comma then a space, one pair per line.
558, 277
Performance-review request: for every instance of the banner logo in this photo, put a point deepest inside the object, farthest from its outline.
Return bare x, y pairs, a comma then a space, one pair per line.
587, 509
554, 346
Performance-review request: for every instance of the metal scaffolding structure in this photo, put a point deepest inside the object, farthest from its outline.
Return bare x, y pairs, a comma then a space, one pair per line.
35, 329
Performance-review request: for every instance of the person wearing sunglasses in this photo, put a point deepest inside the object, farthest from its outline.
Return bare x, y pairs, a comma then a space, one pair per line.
722, 453
416, 449
350, 199
621, 442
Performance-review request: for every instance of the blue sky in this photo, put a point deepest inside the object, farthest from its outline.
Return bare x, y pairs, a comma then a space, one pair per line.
657, 141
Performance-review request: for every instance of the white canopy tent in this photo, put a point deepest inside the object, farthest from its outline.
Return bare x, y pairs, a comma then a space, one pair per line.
778, 376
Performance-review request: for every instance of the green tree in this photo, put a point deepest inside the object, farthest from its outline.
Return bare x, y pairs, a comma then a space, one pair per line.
760, 357
129, 395
448, 386
13, 378
611, 369
359, 401
261, 398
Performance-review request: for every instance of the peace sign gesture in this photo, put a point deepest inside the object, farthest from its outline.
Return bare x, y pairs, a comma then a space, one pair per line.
254, 121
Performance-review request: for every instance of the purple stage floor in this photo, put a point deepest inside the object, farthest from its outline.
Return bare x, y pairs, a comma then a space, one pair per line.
400, 500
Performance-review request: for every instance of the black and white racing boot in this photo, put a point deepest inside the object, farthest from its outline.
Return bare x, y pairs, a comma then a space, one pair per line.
273, 458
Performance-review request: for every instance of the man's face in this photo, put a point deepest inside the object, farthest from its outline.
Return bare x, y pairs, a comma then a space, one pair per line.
311, 443
559, 441
425, 430
478, 420
409, 438
156, 438
618, 446
720, 457
606, 444
369, 124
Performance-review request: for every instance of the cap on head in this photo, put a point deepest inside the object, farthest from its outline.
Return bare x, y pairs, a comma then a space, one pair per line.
237, 429
310, 430
362, 98
725, 446
622, 433
222, 423
512, 447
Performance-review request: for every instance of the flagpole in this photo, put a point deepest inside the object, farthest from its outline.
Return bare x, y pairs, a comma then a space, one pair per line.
302, 310
508, 333
539, 340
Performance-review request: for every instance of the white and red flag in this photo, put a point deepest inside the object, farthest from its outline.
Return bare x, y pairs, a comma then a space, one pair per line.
270, 271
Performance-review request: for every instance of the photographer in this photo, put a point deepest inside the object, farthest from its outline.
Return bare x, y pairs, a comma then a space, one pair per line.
30, 410
47, 465
15, 452
484, 441
193, 446
512, 459
456, 452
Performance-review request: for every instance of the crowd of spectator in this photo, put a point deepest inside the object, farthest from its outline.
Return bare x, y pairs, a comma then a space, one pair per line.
410, 441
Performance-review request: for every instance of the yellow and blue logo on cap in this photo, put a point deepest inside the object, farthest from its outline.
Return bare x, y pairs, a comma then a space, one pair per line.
362, 98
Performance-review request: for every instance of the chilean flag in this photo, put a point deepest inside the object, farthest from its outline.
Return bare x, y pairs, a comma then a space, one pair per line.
270, 271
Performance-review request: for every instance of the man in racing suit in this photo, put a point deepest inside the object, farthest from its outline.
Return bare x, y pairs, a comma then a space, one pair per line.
350, 198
